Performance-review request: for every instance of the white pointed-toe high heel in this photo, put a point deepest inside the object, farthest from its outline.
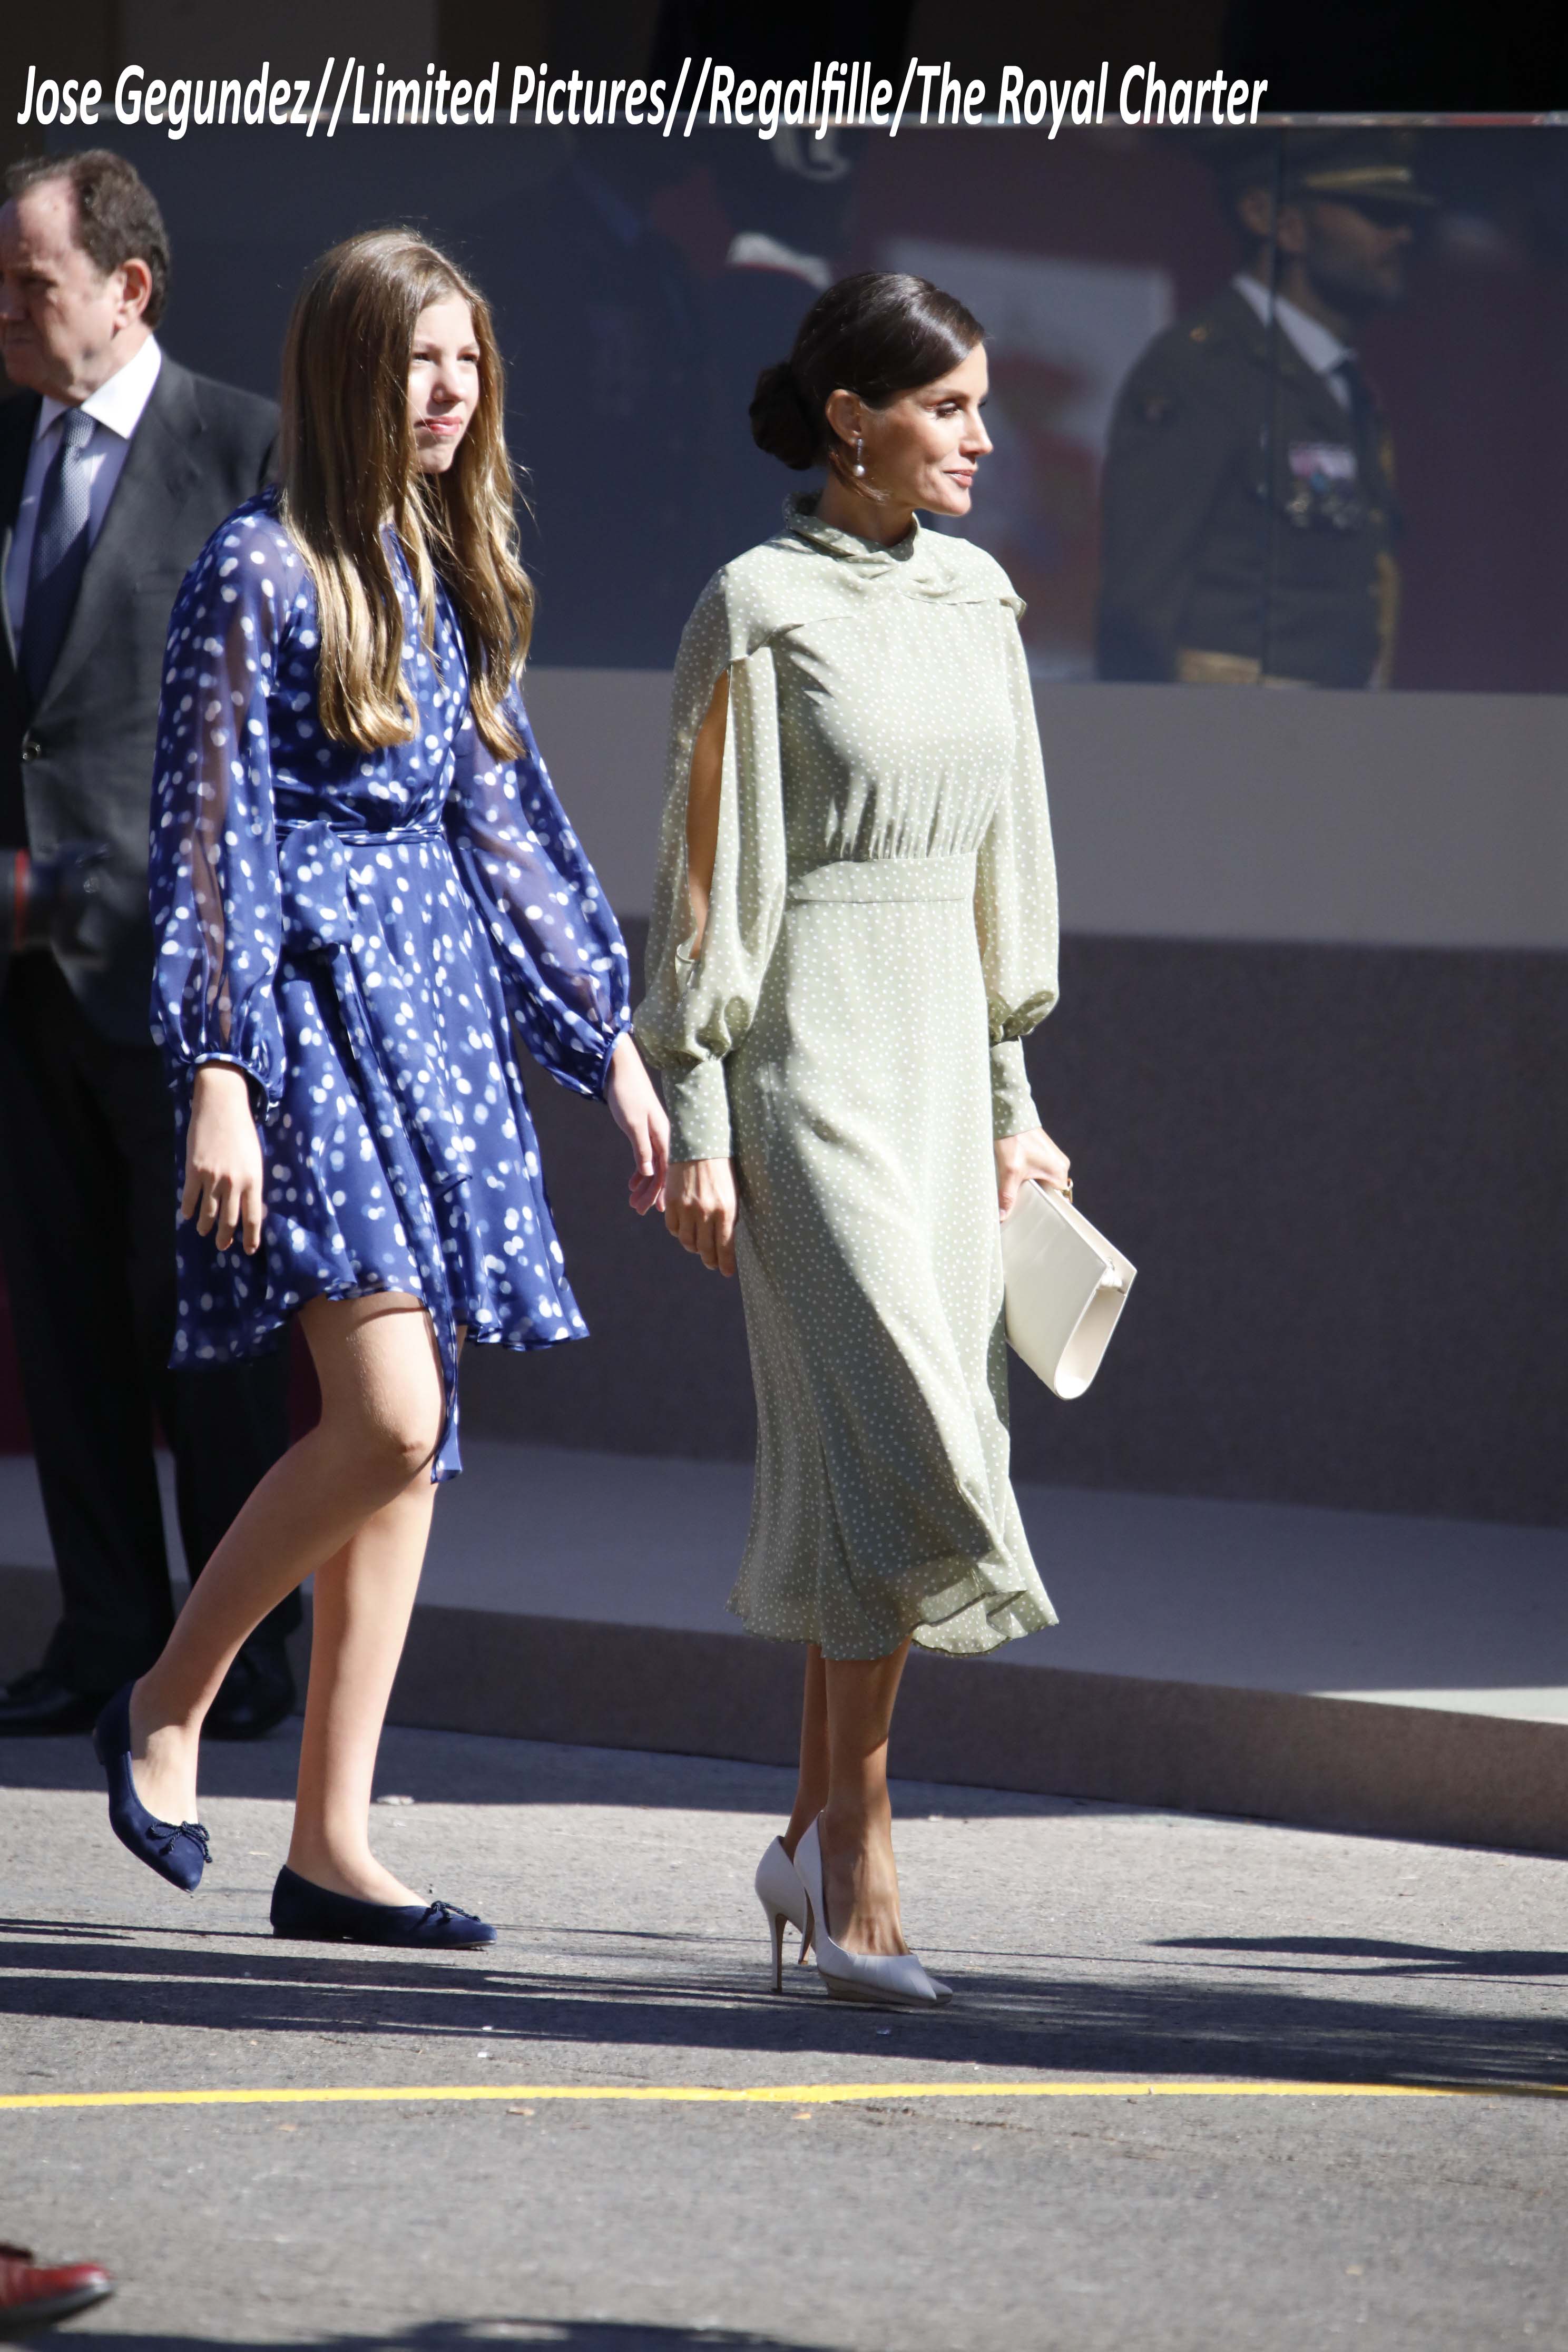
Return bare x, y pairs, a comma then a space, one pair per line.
781, 1897
883, 1979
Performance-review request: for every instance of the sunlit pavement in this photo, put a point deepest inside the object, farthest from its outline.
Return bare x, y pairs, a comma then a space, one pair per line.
1169, 2107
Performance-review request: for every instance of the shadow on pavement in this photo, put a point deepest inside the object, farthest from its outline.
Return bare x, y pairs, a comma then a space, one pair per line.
463, 2336
1390, 1959
1045, 2014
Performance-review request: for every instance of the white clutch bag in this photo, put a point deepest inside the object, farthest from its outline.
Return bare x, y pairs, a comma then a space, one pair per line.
1065, 1288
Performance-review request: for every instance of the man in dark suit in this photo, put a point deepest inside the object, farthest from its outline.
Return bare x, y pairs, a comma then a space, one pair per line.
115, 466
1250, 525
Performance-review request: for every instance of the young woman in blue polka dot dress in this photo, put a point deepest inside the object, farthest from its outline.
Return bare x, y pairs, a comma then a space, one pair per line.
361, 879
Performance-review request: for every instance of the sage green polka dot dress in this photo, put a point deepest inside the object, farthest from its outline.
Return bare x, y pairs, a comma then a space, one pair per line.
881, 935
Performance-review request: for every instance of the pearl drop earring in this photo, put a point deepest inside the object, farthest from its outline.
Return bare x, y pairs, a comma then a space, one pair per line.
857, 467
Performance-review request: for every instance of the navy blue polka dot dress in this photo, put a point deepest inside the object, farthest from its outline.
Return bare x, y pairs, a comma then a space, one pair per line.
357, 931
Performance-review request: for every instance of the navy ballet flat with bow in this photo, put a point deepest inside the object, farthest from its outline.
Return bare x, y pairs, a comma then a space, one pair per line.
314, 1915
177, 1851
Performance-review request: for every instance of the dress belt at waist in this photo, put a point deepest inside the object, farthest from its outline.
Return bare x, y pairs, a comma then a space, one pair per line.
363, 837
847, 881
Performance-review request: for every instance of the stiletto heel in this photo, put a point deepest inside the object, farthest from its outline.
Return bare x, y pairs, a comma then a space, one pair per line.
782, 1898
177, 1851
880, 1980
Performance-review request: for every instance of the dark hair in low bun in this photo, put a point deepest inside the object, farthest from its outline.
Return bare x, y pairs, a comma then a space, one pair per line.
876, 334
782, 423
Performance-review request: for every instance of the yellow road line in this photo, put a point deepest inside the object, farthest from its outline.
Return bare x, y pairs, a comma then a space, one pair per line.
797, 2094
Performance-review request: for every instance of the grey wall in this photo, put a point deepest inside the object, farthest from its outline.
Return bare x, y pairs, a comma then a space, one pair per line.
1397, 820
1319, 1102
1341, 1172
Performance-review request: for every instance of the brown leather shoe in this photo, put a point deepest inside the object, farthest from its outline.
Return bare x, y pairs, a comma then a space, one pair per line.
31, 2298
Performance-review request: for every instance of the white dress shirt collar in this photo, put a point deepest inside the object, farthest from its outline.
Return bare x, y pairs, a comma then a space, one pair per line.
1323, 350
118, 403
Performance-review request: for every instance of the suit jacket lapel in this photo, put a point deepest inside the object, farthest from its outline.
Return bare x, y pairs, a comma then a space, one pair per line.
1338, 426
1270, 348
154, 483
21, 417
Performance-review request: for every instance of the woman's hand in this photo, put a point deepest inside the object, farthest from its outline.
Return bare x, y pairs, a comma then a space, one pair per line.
1020, 1158
638, 1113
700, 1209
223, 1159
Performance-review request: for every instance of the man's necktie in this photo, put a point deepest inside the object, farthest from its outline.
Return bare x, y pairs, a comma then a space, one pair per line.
60, 554
1361, 405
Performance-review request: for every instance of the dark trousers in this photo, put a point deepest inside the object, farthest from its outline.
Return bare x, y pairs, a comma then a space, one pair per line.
87, 1216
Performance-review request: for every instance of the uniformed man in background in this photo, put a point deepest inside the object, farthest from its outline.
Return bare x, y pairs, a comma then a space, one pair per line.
1250, 523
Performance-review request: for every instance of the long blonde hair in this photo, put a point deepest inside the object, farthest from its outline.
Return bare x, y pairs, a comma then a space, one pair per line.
348, 470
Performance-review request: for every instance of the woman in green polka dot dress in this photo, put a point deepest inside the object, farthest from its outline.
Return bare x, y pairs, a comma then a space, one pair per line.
854, 929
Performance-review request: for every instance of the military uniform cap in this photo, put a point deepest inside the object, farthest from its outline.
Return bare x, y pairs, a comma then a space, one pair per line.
1349, 166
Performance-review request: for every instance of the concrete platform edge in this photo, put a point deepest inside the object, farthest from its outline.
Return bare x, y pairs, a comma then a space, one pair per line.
1318, 1763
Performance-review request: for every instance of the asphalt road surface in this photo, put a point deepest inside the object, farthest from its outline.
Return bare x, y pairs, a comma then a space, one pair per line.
1170, 2109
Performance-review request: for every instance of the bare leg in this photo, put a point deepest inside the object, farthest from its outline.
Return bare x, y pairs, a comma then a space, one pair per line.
381, 1415
363, 1598
860, 1878
811, 1789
